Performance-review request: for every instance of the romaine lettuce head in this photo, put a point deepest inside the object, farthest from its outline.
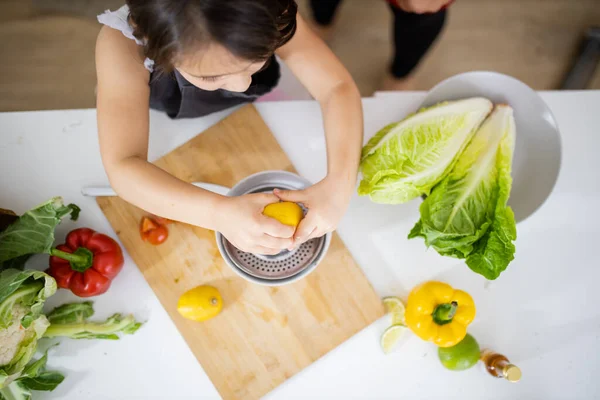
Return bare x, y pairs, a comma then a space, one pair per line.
406, 159
466, 214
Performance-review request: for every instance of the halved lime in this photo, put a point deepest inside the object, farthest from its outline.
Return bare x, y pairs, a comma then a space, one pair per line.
395, 307
391, 336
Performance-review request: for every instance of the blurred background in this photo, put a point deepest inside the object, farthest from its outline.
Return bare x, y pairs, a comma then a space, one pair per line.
47, 48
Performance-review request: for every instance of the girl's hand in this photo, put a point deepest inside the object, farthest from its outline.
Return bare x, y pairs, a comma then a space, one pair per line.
326, 203
241, 221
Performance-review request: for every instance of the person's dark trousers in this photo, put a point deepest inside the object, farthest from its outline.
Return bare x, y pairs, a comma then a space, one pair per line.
413, 33
324, 10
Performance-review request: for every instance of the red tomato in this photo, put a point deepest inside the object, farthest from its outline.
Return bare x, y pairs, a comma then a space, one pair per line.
147, 225
152, 232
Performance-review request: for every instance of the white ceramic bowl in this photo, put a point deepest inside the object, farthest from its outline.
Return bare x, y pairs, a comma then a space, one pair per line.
537, 157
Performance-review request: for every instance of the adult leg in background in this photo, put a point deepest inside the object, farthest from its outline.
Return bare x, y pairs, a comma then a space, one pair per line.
413, 36
323, 15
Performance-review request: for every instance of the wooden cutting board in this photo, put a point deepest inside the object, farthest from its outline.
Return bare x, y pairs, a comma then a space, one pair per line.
264, 335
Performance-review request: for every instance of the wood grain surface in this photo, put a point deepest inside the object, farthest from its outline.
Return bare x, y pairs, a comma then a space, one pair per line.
264, 335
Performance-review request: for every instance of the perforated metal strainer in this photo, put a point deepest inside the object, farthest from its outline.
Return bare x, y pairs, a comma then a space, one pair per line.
282, 268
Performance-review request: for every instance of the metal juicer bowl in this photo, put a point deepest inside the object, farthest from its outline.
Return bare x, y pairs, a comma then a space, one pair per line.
287, 266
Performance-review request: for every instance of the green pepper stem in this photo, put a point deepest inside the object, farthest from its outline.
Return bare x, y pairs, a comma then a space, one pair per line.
80, 260
444, 313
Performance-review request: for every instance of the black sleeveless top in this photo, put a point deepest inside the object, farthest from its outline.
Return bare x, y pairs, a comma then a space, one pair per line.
176, 96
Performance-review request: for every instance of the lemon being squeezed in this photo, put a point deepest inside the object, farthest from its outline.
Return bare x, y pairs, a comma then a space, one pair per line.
286, 212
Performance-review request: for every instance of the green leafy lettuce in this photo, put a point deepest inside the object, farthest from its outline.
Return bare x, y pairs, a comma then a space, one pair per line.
33, 232
466, 215
406, 159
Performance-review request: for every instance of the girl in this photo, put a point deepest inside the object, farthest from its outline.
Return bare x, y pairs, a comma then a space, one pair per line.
189, 58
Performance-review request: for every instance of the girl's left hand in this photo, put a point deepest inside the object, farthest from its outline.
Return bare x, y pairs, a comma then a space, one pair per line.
326, 203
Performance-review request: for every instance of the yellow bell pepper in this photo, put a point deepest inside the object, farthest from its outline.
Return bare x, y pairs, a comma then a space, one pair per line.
438, 313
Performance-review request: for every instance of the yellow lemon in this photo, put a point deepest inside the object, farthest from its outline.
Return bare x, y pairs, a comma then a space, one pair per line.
286, 212
200, 303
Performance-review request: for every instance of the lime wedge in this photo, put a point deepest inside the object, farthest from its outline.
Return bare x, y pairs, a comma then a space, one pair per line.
391, 336
395, 307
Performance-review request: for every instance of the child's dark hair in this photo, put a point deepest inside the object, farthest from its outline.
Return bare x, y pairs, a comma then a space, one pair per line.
249, 29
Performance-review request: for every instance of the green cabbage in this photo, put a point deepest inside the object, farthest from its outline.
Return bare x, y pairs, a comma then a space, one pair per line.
406, 159
466, 215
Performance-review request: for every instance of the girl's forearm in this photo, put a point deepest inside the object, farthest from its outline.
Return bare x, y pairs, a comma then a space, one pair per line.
155, 191
343, 122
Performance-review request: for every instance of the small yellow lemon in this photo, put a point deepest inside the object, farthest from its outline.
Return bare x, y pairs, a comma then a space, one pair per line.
286, 212
200, 303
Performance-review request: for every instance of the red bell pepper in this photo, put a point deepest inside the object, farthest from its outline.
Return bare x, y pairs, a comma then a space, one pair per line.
86, 263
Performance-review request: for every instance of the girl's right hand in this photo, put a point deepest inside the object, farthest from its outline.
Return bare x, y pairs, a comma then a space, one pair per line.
241, 221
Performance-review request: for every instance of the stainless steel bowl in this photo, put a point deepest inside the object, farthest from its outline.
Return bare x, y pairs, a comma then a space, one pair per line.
287, 266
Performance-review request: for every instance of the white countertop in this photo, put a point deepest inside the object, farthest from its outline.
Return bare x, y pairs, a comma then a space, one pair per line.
543, 312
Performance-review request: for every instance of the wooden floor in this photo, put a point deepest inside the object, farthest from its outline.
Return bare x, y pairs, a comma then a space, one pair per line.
47, 48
